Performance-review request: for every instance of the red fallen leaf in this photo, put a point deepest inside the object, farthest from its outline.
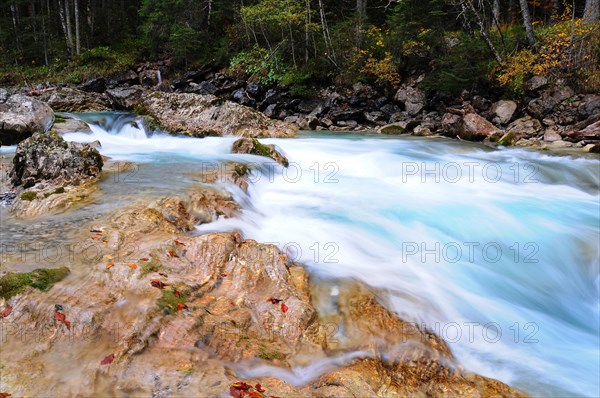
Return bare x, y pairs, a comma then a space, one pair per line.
224, 275
108, 359
109, 266
178, 242
181, 307
132, 265
163, 274
284, 307
171, 253
5, 395
240, 385
59, 316
254, 394
259, 388
6, 312
177, 294
273, 300
144, 259
159, 284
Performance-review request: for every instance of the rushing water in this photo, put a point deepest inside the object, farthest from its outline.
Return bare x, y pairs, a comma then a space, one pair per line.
495, 250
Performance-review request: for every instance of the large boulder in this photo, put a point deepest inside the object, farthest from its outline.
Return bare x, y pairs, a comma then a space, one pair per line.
414, 99
503, 111
126, 97
477, 128
542, 106
48, 157
206, 115
73, 100
21, 116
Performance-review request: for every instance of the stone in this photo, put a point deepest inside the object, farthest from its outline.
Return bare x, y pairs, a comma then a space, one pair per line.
525, 127
536, 83
73, 100
394, 128
97, 85
481, 104
254, 147
414, 99
503, 111
126, 98
477, 128
21, 116
551, 135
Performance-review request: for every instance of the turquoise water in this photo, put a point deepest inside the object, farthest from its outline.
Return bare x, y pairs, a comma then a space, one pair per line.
495, 250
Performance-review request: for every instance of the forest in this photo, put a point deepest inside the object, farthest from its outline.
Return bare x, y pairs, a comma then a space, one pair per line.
299, 43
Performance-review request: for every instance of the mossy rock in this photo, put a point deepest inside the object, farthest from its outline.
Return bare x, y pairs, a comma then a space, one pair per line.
28, 196
14, 283
167, 303
253, 146
507, 139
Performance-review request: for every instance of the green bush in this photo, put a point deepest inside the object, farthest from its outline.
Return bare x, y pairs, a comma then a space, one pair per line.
259, 65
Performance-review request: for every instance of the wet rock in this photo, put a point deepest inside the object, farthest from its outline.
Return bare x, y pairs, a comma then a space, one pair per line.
376, 117
481, 104
309, 105
590, 132
64, 124
21, 116
3, 95
203, 88
551, 135
339, 115
242, 98
200, 116
127, 77
450, 124
97, 85
390, 109
73, 100
503, 111
46, 157
590, 105
254, 147
149, 77
126, 98
254, 89
394, 128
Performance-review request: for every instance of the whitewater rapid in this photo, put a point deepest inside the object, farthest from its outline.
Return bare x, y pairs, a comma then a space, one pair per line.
497, 251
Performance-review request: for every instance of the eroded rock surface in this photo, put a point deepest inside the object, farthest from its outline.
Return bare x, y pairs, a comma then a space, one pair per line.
21, 116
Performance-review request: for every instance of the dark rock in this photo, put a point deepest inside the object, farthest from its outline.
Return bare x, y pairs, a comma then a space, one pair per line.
348, 123
271, 110
390, 109
590, 105
309, 105
481, 104
97, 85
126, 97
414, 99
345, 114
203, 88
254, 89
271, 97
381, 101
375, 117
127, 77
450, 124
536, 83
47, 156
542, 106
3, 95
242, 98
21, 116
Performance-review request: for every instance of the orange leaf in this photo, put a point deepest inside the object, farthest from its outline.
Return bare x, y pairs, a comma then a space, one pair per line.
177, 294
6, 312
171, 253
5, 395
259, 388
132, 265
284, 307
181, 307
59, 316
254, 394
109, 266
178, 242
108, 359
144, 259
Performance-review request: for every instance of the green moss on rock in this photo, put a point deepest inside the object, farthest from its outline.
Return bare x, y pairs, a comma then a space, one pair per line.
29, 195
14, 283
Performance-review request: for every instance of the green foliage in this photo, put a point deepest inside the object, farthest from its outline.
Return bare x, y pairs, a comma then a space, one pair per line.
14, 283
168, 301
465, 66
258, 65
28, 196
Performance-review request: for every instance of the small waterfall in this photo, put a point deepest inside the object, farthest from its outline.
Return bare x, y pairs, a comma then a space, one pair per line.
159, 76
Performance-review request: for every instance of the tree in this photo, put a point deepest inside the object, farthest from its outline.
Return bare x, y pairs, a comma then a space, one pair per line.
527, 22
592, 11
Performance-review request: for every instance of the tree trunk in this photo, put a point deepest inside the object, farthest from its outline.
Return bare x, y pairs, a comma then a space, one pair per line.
592, 11
326, 35
210, 5
468, 7
361, 12
15, 19
496, 12
63, 23
527, 23
77, 37
307, 31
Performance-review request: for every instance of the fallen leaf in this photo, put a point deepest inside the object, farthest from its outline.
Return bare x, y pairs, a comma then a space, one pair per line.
163, 274
171, 253
59, 316
144, 259
108, 257
187, 368
181, 307
254, 394
178, 242
284, 307
5, 394
108, 359
132, 265
259, 388
109, 266
159, 284
224, 275
177, 294
273, 300
6, 312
